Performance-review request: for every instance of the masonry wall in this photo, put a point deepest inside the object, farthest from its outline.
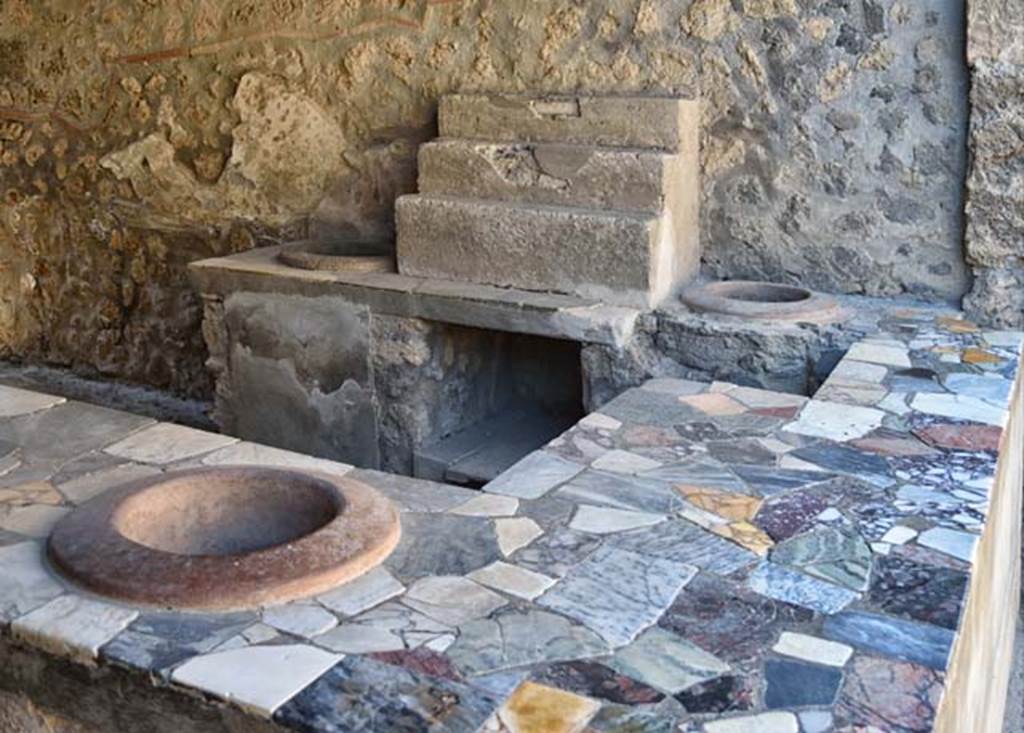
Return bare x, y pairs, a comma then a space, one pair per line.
137, 136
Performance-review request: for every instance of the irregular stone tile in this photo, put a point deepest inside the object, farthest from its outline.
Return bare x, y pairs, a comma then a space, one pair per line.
850, 369
930, 594
488, 505
25, 584
645, 436
962, 437
14, 401
843, 459
519, 638
815, 721
951, 542
702, 472
775, 722
73, 626
959, 407
745, 535
834, 555
714, 403
660, 718
452, 600
366, 591
157, 641
747, 425
300, 619
786, 413
783, 584
534, 708
736, 507
768, 480
558, 551
908, 641
681, 541
886, 694
595, 680
721, 695
895, 403
892, 446
675, 387
618, 593
363, 694
260, 633
421, 661
254, 454
32, 521
597, 421
645, 407
605, 520
980, 356
877, 353
835, 421
550, 512
513, 580
435, 544
744, 450
361, 639
414, 495
621, 492
666, 661
515, 534
27, 494
166, 442
988, 388
534, 476
622, 461
796, 684
955, 324
851, 394
899, 535
762, 398
784, 516
82, 489
729, 621
813, 649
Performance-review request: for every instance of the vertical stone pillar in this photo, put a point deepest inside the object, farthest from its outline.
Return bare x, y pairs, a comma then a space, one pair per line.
995, 180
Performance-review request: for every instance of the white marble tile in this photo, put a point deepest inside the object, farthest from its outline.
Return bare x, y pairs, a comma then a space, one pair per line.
366, 591
835, 421
14, 401
666, 661
254, 454
605, 520
621, 461
258, 678
960, 407
488, 505
813, 649
858, 371
166, 443
950, 542
360, 639
765, 399
451, 599
25, 583
597, 421
890, 354
896, 403
899, 535
300, 619
259, 633
515, 534
513, 580
534, 476
1004, 339
35, 520
777, 722
389, 627
73, 626
83, 488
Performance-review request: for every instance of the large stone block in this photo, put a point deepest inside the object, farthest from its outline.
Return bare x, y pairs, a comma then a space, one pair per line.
616, 257
553, 173
667, 123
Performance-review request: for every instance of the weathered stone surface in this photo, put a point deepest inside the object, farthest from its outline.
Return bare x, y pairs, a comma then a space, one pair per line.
549, 173
610, 256
645, 122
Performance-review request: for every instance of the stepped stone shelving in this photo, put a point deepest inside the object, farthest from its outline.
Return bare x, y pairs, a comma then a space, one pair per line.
595, 197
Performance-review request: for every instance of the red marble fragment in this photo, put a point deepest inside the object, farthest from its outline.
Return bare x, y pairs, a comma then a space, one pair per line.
786, 413
962, 437
422, 660
889, 695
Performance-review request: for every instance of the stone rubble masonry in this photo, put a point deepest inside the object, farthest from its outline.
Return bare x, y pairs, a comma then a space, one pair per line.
995, 181
597, 197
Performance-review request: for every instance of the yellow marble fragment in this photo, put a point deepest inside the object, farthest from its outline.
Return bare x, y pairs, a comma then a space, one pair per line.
32, 492
714, 403
534, 708
736, 507
958, 325
746, 535
979, 356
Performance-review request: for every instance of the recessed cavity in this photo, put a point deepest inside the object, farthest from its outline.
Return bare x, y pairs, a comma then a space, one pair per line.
338, 256
763, 292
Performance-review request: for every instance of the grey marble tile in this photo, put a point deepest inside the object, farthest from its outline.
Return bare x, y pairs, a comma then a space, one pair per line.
534, 476
783, 584
909, 641
444, 544
681, 541
831, 554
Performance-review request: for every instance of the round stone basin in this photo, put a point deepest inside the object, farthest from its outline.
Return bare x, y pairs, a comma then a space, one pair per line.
762, 300
225, 538
353, 257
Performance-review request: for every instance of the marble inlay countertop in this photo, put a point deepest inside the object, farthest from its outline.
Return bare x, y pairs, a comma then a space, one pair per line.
692, 557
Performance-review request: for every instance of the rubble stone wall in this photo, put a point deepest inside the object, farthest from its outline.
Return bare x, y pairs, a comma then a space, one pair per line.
136, 136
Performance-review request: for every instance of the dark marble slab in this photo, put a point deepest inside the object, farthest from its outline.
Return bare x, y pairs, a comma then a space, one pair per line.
907, 641
797, 684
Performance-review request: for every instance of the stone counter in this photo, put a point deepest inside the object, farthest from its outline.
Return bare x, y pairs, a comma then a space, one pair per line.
693, 556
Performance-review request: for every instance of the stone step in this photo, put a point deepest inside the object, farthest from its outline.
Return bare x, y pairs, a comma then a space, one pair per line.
666, 123
625, 179
621, 258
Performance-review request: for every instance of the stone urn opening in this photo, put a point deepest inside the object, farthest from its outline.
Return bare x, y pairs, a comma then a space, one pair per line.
225, 538
338, 256
762, 300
